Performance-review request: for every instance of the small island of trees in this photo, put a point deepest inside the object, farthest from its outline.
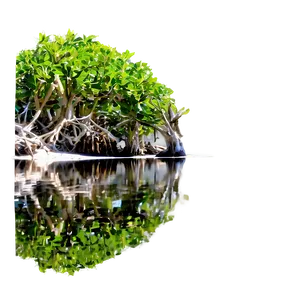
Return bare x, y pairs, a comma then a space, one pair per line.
76, 95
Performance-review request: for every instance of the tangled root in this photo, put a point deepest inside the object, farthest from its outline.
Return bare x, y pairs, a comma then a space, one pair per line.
78, 135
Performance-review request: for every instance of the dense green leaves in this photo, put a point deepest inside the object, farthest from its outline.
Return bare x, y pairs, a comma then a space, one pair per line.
87, 70
89, 245
90, 67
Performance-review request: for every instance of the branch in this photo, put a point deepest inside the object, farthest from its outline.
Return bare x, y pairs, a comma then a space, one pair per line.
24, 112
122, 123
80, 119
78, 99
36, 96
69, 110
178, 115
60, 89
38, 138
163, 130
37, 101
171, 112
168, 124
26, 140
37, 114
179, 130
171, 131
49, 115
157, 107
109, 134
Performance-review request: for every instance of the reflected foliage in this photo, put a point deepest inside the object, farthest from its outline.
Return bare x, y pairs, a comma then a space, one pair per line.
71, 216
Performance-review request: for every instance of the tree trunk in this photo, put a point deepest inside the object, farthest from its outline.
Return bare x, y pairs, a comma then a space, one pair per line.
132, 143
174, 147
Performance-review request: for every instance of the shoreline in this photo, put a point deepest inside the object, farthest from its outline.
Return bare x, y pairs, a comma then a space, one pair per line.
44, 156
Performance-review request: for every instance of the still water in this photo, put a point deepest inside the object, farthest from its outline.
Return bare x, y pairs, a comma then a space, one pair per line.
75, 215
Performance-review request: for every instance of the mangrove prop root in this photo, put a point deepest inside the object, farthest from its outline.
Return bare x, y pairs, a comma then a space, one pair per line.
87, 136
66, 135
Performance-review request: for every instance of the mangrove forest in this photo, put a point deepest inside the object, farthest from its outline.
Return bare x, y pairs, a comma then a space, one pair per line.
76, 95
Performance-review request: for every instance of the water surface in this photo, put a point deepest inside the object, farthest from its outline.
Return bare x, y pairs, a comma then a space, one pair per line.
75, 215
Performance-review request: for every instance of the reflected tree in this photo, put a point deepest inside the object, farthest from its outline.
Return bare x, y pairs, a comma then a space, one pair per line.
71, 216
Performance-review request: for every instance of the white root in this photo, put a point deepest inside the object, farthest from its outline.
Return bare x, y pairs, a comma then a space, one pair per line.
72, 131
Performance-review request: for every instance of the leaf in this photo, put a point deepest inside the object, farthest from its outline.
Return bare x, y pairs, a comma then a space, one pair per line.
95, 225
76, 73
31, 82
82, 237
47, 63
93, 239
58, 71
41, 37
22, 93
130, 87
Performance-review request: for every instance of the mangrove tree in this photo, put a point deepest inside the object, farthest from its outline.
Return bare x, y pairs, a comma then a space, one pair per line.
76, 95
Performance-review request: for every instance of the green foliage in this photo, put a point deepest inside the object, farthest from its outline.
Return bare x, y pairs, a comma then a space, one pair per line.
90, 242
104, 80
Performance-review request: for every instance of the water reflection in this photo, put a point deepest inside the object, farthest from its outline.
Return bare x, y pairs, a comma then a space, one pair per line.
71, 216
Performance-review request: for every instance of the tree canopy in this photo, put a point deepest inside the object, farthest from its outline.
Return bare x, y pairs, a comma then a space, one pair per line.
75, 94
